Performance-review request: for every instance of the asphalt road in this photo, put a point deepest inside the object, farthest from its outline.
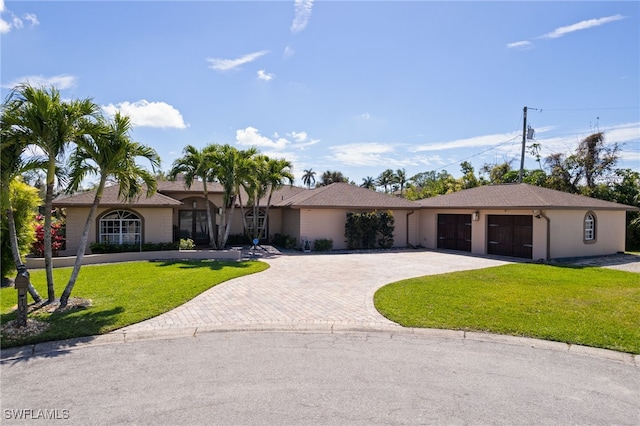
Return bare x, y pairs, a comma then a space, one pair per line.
287, 378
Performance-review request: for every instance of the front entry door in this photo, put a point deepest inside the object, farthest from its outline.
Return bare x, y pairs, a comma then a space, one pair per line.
193, 224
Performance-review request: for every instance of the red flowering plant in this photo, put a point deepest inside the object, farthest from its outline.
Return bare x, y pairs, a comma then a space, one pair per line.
57, 236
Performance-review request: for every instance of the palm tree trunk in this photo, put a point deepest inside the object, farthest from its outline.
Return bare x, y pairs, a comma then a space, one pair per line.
266, 215
48, 250
17, 259
64, 299
228, 222
212, 238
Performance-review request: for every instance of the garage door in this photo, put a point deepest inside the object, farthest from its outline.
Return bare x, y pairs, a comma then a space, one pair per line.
454, 232
510, 235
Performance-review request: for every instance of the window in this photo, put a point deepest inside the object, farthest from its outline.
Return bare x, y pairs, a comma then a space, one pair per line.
260, 222
120, 227
589, 227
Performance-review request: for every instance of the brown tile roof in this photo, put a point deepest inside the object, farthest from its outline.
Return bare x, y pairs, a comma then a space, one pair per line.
110, 199
167, 186
518, 196
344, 195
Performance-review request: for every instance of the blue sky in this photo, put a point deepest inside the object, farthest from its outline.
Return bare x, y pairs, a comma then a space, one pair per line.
356, 86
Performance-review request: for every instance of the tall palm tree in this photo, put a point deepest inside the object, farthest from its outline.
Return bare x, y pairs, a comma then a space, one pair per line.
13, 165
369, 183
40, 117
230, 167
195, 164
309, 178
401, 179
385, 179
109, 153
278, 172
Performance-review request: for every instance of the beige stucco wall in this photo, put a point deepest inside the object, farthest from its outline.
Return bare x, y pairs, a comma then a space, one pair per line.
157, 226
329, 223
566, 232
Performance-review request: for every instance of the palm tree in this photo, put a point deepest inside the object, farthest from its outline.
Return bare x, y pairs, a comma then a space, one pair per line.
401, 179
330, 177
13, 165
39, 117
278, 172
369, 183
385, 179
231, 167
196, 164
110, 153
309, 178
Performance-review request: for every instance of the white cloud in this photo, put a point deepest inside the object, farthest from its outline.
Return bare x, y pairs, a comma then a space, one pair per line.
262, 75
302, 15
288, 52
524, 44
148, 114
276, 145
582, 25
228, 64
364, 116
367, 154
301, 140
14, 22
251, 136
60, 82
474, 142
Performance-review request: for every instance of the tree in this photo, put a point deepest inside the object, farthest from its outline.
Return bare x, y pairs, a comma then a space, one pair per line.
18, 201
109, 153
231, 167
400, 178
385, 179
197, 164
330, 177
38, 116
469, 179
595, 161
369, 183
560, 173
278, 173
270, 175
309, 178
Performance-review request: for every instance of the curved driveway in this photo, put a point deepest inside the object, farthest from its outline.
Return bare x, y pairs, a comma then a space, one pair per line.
309, 290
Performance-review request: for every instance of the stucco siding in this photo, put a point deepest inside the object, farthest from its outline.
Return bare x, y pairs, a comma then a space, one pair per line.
567, 233
157, 226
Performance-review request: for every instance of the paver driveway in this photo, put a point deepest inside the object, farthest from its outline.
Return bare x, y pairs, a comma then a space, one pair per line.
310, 289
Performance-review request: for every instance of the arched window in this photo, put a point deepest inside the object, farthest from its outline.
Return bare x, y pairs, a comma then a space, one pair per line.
249, 216
120, 227
589, 227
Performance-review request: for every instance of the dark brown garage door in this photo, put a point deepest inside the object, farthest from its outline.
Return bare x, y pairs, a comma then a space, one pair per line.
454, 232
510, 235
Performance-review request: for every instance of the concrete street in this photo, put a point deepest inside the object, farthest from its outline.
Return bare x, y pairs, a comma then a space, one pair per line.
301, 343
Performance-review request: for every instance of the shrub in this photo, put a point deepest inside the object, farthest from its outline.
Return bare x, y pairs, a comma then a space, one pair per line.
323, 244
57, 236
186, 244
238, 239
97, 248
369, 230
284, 241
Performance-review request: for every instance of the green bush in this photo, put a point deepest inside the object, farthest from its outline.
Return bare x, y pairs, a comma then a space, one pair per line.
99, 248
238, 239
368, 230
284, 241
186, 244
323, 244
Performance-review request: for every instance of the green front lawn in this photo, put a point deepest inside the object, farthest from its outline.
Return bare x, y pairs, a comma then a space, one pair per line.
122, 294
587, 306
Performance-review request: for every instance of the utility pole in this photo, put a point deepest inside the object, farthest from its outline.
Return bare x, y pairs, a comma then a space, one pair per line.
524, 142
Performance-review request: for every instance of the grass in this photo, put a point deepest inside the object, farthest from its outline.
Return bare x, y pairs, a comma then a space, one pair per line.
122, 294
588, 306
